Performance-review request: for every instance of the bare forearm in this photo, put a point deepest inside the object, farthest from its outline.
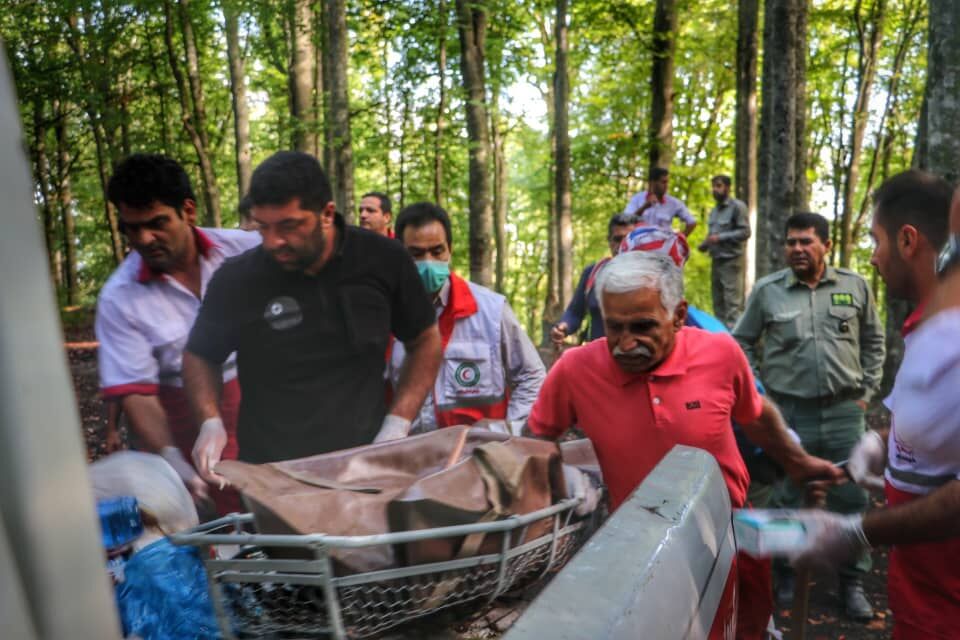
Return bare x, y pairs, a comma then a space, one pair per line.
148, 421
418, 374
769, 432
689, 228
203, 383
931, 518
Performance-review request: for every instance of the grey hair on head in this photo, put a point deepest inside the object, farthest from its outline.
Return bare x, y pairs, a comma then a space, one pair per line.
636, 270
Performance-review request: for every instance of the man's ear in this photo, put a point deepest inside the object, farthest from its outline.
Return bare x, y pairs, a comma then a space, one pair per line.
908, 240
189, 210
329, 213
680, 315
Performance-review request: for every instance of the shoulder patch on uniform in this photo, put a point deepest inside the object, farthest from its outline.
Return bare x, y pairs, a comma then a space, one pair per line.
841, 299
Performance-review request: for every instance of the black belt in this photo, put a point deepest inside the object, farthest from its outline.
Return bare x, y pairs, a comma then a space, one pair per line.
820, 401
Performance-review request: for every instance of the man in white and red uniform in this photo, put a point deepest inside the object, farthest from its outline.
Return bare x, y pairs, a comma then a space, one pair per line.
148, 305
490, 368
918, 464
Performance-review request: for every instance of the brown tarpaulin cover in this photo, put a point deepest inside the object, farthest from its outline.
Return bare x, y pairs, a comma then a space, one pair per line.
452, 476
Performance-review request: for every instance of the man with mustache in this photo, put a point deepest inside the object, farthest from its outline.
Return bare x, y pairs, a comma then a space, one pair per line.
146, 309
654, 383
309, 314
821, 362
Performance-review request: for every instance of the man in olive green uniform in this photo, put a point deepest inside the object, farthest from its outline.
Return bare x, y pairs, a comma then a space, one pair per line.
821, 362
729, 228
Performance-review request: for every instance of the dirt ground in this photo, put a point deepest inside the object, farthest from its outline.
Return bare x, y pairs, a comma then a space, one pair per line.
825, 620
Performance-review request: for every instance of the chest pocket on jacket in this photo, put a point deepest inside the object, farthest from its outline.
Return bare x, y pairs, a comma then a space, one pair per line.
467, 371
784, 328
723, 221
844, 322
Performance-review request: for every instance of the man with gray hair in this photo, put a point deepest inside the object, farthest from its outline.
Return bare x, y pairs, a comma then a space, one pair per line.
655, 383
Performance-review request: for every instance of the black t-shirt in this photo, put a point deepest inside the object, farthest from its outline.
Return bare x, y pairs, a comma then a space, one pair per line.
310, 349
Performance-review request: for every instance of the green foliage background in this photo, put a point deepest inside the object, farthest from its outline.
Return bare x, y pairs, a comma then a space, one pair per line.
125, 74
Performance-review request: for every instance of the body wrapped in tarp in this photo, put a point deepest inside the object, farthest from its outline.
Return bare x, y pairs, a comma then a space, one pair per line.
453, 476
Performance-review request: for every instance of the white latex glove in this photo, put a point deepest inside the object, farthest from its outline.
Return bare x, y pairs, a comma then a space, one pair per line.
393, 428
579, 486
831, 539
208, 448
868, 460
194, 483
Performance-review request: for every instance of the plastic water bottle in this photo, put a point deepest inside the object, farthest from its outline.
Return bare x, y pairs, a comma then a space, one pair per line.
120, 522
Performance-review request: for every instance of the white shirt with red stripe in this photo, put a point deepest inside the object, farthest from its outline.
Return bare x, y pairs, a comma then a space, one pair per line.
924, 444
144, 317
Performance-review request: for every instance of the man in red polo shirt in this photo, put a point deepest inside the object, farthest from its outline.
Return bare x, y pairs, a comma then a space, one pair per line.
654, 383
490, 369
148, 305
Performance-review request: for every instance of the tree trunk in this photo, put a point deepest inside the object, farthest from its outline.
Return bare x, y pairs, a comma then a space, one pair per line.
301, 77
336, 41
327, 58
161, 93
551, 305
193, 117
782, 187
472, 25
942, 102
319, 110
663, 45
497, 136
42, 173
441, 103
746, 124
561, 114
65, 203
104, 159
884, 137
404, 133
388, 124
238, 94
869, 32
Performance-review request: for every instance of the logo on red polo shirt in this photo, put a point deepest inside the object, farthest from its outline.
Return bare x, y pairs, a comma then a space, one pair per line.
695, 404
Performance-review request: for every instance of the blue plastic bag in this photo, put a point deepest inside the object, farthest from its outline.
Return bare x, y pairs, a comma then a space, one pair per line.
164, 595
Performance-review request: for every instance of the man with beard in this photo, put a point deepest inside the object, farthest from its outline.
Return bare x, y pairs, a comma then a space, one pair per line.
309, 315
821, 362
918, 465
729, 229
146, 310
655, 383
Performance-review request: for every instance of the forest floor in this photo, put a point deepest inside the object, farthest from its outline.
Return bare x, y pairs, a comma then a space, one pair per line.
824, 622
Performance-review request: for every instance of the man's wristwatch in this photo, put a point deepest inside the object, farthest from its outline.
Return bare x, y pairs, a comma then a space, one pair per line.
950, 254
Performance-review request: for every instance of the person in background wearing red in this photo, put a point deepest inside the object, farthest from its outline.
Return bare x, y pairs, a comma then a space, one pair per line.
148, 305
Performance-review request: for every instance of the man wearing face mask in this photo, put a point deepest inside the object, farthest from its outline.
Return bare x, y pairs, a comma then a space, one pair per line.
490, 368
655, 383
309, 314
821, 362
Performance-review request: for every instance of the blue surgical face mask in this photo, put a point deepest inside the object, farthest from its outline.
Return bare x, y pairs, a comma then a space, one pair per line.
433, 274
